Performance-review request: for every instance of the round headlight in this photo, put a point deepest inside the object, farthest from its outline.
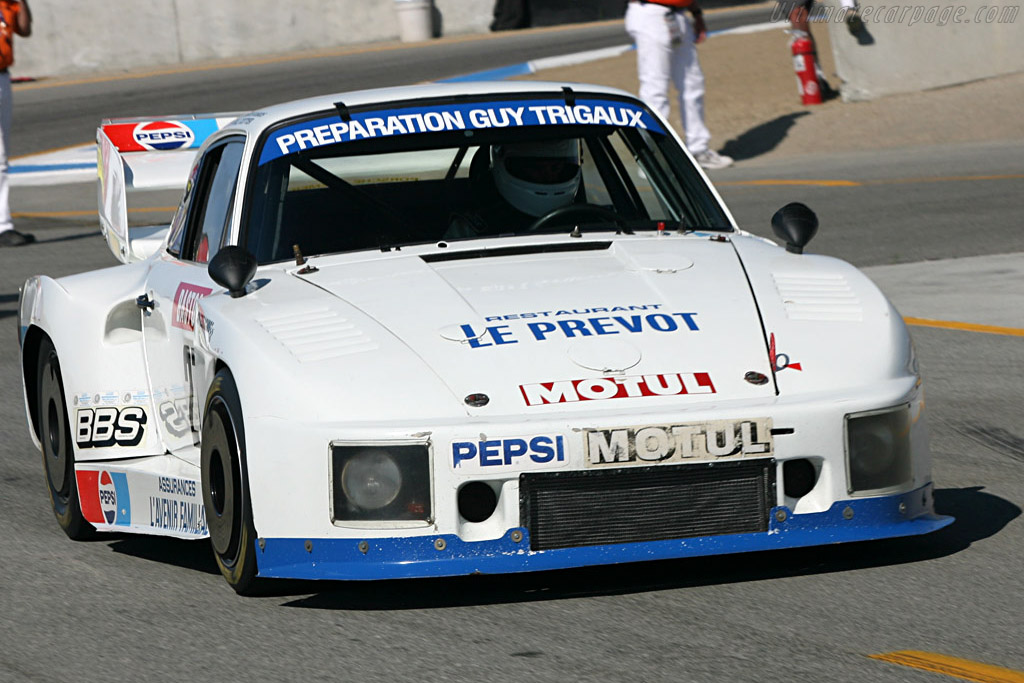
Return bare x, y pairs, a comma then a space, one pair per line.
871, 448
371, 479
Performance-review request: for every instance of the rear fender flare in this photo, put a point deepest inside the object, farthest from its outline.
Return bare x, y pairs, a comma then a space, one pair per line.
96, 329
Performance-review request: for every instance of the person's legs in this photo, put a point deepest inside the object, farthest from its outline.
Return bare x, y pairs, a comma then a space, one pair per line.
647, 26
799, 20
689, 81
5, 131
510, 14
9, 237
799, 17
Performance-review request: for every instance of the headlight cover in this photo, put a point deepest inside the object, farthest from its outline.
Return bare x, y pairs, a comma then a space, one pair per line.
878, 450
380, 483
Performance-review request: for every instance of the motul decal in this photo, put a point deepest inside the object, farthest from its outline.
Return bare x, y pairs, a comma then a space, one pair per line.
604, 388
655, 444
186, 300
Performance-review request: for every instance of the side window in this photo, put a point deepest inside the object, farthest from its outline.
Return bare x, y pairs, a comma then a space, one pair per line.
212, 202
177, 236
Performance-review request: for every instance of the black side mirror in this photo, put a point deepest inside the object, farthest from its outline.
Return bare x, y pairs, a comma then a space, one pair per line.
232, 268
796, 224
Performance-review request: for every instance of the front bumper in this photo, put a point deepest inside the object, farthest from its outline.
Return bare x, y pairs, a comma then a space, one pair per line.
864, 519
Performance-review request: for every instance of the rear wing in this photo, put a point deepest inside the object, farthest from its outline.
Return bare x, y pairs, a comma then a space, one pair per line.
150, 153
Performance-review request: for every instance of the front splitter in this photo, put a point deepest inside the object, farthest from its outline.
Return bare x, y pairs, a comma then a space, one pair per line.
863, 519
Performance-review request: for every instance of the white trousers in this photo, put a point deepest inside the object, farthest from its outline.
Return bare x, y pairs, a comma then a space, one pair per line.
6, 107
660, 60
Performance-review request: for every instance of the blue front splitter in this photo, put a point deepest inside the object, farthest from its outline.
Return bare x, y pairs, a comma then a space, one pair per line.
426, 556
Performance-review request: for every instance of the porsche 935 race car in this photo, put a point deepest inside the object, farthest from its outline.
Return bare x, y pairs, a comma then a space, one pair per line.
445, 330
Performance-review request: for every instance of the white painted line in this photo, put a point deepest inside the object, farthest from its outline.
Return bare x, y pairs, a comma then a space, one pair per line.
69, 165
53, 177
578, 57
752, 28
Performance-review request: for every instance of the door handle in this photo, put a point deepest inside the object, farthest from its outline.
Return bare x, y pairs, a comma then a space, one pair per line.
143, 301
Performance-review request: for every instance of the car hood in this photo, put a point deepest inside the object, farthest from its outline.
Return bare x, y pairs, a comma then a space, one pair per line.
625, 324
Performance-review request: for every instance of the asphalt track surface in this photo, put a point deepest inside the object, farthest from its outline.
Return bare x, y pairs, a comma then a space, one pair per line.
137, 608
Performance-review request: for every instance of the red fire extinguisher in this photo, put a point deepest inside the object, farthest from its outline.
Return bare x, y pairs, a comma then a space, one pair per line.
803, 64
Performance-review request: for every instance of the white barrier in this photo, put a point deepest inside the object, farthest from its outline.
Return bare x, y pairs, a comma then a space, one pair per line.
906, 48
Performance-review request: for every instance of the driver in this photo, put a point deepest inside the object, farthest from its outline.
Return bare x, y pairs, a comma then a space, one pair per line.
532, 179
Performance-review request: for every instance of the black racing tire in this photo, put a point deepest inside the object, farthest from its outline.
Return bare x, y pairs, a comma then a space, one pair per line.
57, 447
226, 486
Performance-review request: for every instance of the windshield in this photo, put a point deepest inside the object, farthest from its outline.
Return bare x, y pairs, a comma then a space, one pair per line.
383, 178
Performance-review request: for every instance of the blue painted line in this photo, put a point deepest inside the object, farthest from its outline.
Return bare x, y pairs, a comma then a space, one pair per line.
492, 74
42, 168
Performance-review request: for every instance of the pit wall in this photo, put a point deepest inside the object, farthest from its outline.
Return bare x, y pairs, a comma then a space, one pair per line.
73, 37
907, 48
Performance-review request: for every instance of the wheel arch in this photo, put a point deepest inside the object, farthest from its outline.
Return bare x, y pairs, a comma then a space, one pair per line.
238, 563
34, 336
95, 326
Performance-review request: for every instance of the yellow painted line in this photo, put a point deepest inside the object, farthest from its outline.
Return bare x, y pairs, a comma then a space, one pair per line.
818, 183
886, 181
946, 179
51, 151
965, 327
952, 666
72, 214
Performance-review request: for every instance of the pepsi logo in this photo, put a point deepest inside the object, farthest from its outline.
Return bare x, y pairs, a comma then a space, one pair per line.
108, 497
163, 135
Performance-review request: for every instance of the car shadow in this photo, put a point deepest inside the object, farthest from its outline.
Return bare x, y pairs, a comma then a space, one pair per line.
8, 299
70, 238
196, 555
979, 515
762, 138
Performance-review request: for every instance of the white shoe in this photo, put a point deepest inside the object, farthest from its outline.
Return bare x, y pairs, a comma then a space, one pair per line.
711, 159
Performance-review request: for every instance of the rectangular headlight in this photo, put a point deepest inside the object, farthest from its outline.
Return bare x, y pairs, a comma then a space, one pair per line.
380, 483
878, 450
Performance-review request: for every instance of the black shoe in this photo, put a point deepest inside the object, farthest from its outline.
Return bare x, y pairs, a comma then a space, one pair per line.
13, 238
827, 91
854, 23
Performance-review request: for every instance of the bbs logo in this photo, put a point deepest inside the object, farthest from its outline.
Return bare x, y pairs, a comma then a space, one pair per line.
103, 427
163, 135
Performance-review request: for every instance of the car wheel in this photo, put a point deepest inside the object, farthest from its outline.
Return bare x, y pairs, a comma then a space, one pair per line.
225, 486
57, 447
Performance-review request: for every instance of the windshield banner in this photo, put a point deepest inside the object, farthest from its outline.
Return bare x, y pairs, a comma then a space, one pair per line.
449, 117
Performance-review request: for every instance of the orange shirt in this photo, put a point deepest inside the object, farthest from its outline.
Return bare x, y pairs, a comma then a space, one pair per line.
8, 27
672, 3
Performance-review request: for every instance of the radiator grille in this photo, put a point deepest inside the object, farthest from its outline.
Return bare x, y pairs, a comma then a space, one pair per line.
597, 507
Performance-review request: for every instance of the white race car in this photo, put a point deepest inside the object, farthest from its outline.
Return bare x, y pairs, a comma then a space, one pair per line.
444, 330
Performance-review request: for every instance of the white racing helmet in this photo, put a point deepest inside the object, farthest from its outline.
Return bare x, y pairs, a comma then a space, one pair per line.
537, 177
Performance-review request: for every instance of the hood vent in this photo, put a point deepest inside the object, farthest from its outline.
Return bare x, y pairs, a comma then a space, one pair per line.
818, 297
317, 335
516, 251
